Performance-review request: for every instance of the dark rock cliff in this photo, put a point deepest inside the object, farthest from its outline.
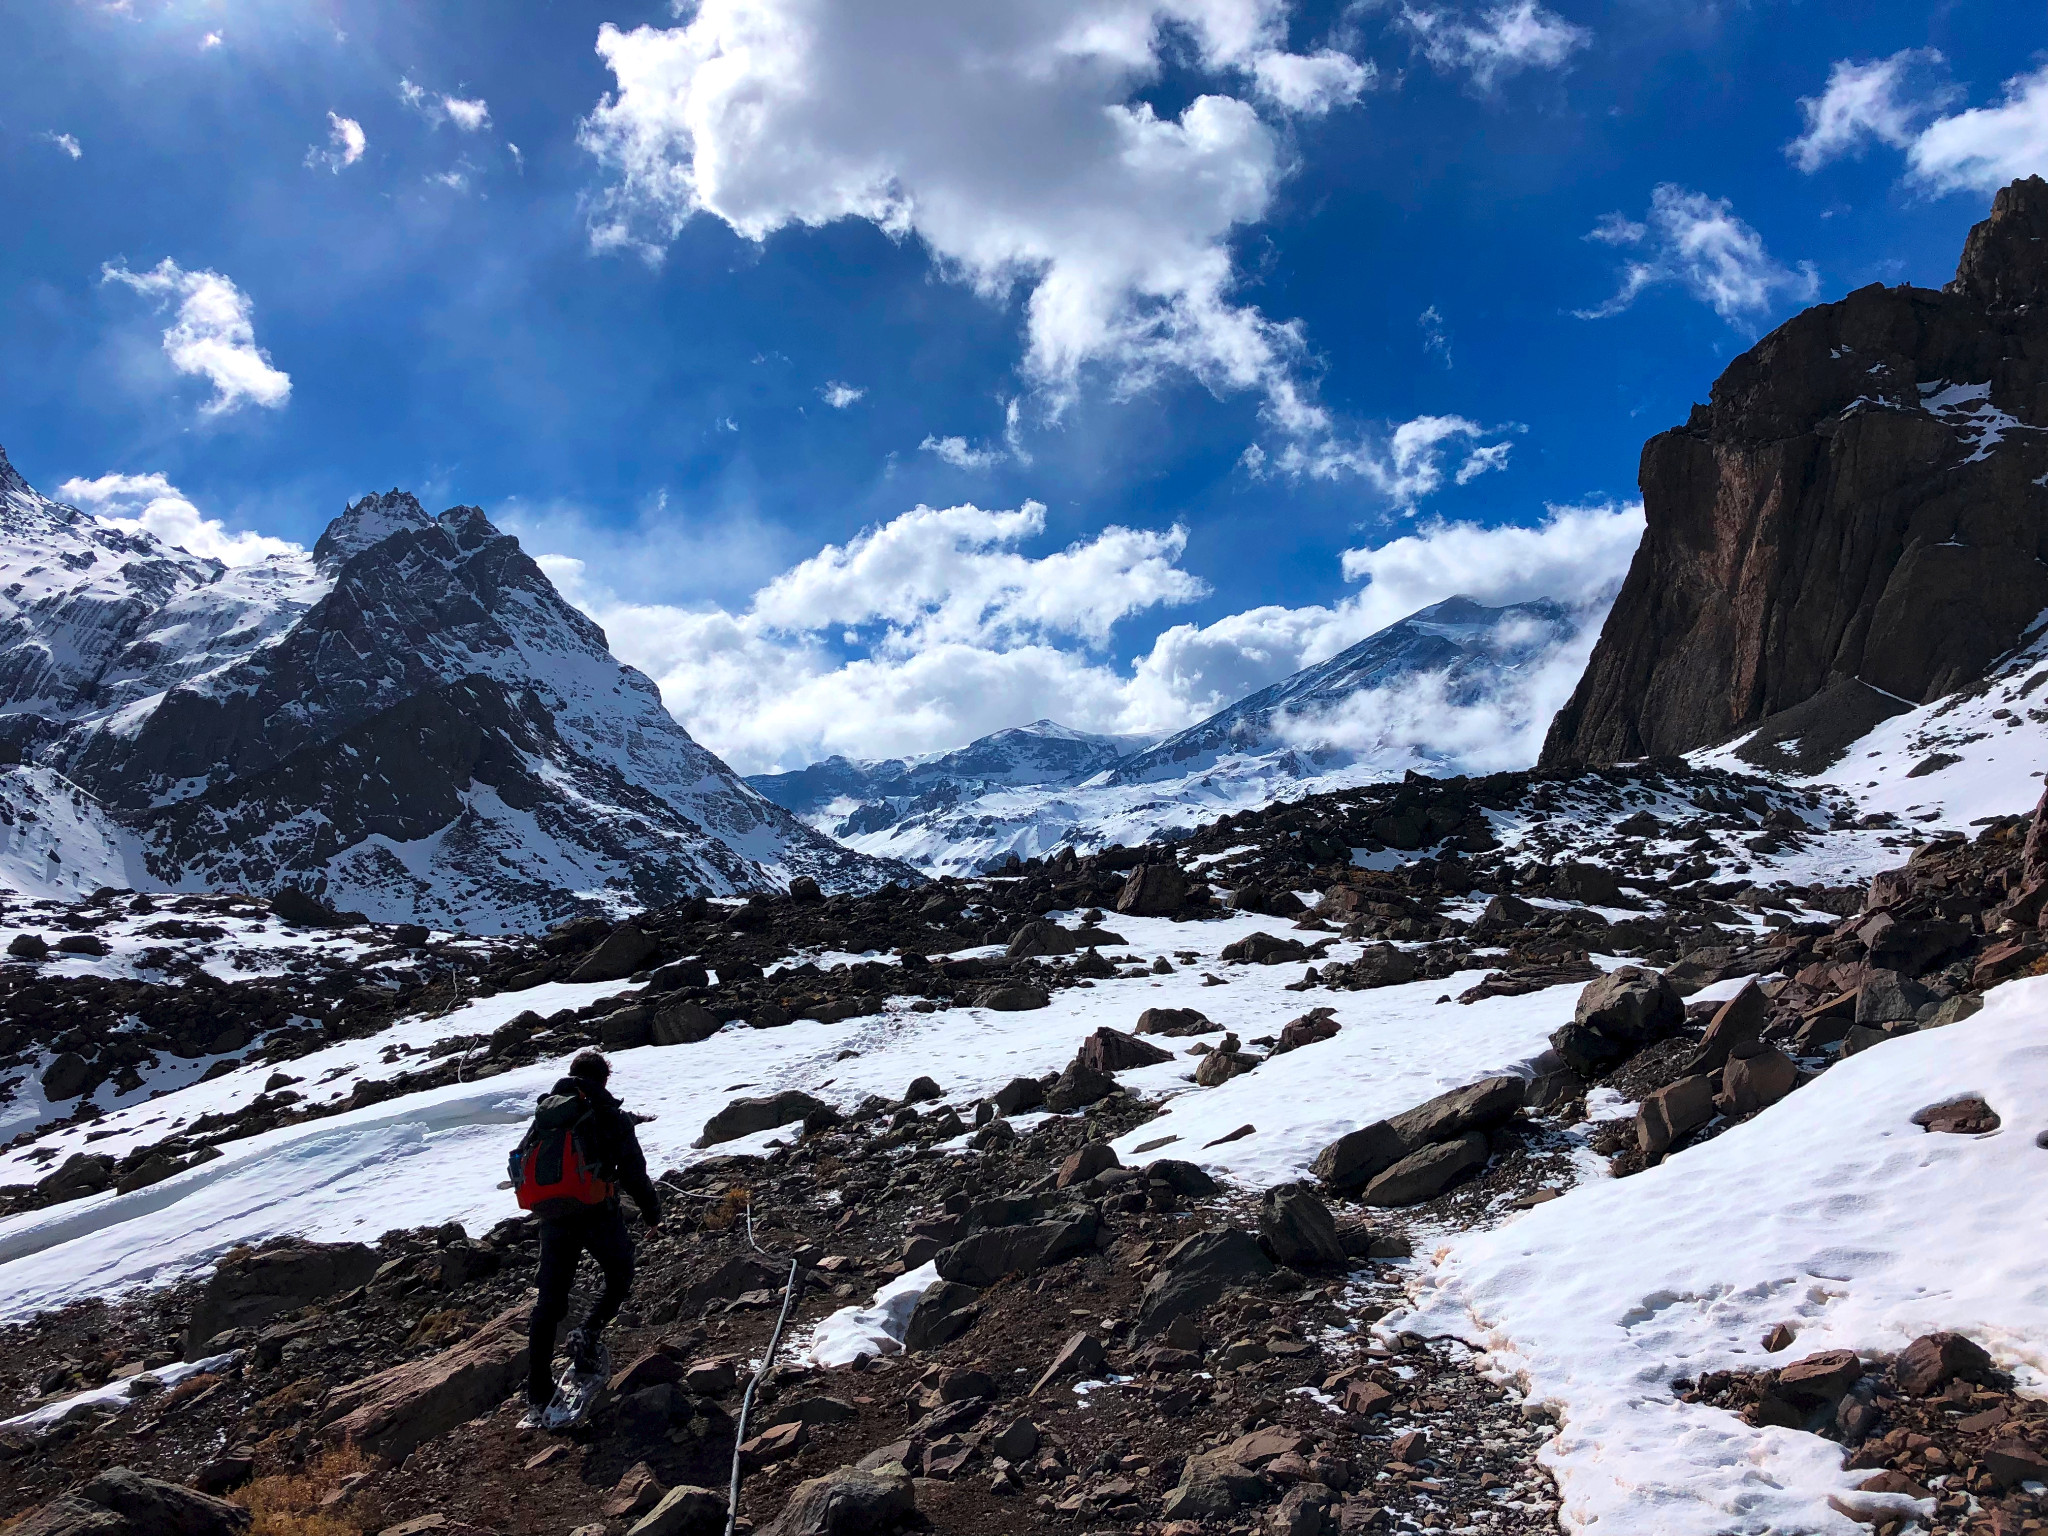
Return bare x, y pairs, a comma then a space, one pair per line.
1857, 520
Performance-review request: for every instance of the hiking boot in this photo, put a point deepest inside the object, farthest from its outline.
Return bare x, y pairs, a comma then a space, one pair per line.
535, 1416
587, 1354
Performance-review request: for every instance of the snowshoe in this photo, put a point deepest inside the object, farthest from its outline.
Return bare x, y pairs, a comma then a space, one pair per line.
579, 1387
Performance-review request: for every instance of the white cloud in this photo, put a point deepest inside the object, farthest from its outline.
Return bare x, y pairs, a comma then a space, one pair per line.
1883, 99
1010, 140
1986, 147
1699, 243
63, 141
213, 335
211, 40
1900, 101
1504, 40
937, 628
957, 452
1436, 337
1406, 467
840, 396
151, 504
345, 145
470, 116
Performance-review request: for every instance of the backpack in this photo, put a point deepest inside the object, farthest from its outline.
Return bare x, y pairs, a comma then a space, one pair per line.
553, 1169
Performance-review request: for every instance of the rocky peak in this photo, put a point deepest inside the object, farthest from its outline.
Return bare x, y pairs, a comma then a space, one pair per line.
370, 521
1856, 522
2005, 258
11, 483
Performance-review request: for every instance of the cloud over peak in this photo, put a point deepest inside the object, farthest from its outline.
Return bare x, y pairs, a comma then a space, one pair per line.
1699, 243
1903, 101
151, 504
212, 335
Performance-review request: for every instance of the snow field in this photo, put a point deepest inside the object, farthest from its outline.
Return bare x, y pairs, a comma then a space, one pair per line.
439, 1155
1831, 1212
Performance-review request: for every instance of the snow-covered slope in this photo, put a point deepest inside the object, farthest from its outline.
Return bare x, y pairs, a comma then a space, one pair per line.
409, 718
1452, 688
846, 797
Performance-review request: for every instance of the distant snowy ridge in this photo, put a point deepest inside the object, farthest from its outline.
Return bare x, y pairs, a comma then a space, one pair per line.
1451, 688
409, 719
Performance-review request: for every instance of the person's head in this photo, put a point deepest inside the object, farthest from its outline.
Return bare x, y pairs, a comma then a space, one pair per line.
591, 1068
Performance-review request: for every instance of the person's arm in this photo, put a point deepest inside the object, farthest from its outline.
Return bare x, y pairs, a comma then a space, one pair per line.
633, 1178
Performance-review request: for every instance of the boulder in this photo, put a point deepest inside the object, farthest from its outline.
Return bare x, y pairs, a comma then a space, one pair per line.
1081, 1355
1354, 1159
1079, 1085
301, 909
1421, 1175
1085, 1164
1630, 1005
1040, 937
389, 1414
1502, 915
1111, 1050
1821, 1378
684, 1510
635, 1493
80, 1174
986, 1257
1934, 1360
625, 950
1754, 1082
1153, 890
922, 1090
943, 1311
1317, 1024
847, 1503
1736, 1026
803, 890
249, 1287
1190, 1181
1588, 883
744, 1117
1173, 1021
1673, 1111
1383, 965
119, 1502
28, 946
734, 1278
66, 1076
1012, 997
1196, 1273
1211, 1488
1889, 997
626, 1029
1018, 1095
81, 944
1478, 1106
683, 1023
1298, 1228
1263, 949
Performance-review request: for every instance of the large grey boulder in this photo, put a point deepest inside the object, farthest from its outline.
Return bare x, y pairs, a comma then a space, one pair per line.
1477, 1106
684, 1023
249, 1287
625, 949
847, 1503
119, 1502
1421, 1175
1196, 1273
743, 1117
1354, 1159
1298, 1227
1153, 890
986, 1257
1617, 1014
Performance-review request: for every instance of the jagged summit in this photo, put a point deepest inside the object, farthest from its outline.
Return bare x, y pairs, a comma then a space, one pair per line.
2005, 258
370, 521
411, 720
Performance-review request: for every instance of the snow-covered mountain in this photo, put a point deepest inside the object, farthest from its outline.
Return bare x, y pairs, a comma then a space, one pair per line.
1451, 687
849, 797
409, 719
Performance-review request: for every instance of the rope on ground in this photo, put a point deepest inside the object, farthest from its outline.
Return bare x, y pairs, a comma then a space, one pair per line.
732, 1502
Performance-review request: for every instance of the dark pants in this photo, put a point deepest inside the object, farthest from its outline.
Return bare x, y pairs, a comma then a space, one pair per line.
601, 1231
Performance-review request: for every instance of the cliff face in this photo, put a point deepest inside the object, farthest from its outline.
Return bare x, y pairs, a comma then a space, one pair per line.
1858, 519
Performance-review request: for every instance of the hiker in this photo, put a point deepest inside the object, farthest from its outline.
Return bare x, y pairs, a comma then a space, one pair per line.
577, 1156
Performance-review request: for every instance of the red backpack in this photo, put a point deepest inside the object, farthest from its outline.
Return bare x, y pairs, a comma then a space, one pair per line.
553, 1169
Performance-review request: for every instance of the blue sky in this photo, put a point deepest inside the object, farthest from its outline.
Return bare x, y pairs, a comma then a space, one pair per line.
1163, 306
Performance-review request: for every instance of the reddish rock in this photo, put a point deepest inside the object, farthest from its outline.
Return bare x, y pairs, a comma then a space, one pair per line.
1673, 1111
1820, 1378
2014, 1462
1367, 1398
387, 1415
1751, 1083
1933, 1360
1086, 1163
1111, 1050
1959, 1117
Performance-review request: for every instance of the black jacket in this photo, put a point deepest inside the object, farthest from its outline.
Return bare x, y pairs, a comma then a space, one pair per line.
612, 1142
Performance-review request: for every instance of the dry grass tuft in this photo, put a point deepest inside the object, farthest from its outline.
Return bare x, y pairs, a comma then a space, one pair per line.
288, 1503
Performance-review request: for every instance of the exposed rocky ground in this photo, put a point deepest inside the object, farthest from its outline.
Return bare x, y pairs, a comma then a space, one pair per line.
1208, 1357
